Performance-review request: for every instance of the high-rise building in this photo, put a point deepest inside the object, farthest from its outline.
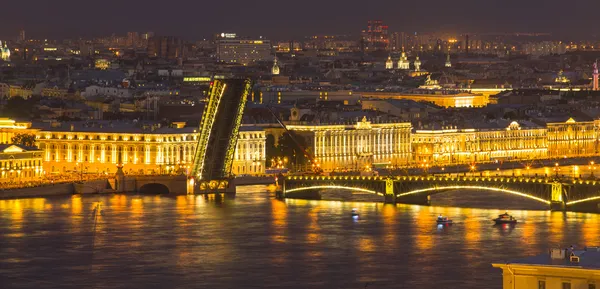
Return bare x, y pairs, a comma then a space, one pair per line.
22, 36
146, 36
165, 47
376, 37
397, 41
231, 49
133, 39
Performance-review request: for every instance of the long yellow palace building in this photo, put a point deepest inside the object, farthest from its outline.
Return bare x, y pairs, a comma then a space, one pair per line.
352, 147
142, 149
97, 147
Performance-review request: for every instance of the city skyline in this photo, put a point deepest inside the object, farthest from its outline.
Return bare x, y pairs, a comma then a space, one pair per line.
197, 20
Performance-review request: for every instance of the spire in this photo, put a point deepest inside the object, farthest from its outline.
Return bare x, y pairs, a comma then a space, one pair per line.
448, 62
275, 69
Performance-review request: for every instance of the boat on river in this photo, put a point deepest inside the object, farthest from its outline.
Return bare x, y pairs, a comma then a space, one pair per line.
443, 220
355, 213
505, 219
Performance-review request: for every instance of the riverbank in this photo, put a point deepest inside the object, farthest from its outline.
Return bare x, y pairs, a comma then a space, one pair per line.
85, 187
98, 186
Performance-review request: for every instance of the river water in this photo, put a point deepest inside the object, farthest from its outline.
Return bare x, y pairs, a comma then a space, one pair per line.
255, 241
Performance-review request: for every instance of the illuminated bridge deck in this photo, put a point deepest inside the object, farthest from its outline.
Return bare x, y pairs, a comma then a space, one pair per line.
557, 193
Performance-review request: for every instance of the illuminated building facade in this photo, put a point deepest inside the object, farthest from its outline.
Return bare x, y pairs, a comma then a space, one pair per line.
243, 51
19, 163
354, 147
452, 145
150, 149
439, 97
22, 91
9, 128
376, 37
389, 64
572, 138
417, 64
102, 64
4, 52
164, 47
558, 268
403, 62
275, 68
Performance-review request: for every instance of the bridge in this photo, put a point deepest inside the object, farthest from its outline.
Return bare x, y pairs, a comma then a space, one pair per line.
213, 158
557, 194
211, 171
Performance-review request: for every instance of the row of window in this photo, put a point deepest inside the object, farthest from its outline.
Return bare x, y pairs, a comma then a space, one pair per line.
120, 138
565, 285
110, 148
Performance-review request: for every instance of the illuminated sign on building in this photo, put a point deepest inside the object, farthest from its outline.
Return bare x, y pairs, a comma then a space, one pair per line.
228, 35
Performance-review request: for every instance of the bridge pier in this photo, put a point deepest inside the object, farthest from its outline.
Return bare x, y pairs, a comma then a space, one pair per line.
558, 206
279, 194
390, 199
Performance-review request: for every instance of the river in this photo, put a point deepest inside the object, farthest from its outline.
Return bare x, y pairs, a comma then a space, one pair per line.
255, 241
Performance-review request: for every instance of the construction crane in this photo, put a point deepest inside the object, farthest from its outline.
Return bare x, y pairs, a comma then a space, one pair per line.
316, 167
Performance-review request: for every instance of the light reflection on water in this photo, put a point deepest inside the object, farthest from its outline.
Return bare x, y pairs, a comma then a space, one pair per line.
255, 241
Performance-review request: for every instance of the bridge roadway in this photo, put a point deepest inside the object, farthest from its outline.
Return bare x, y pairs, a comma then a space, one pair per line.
558, 194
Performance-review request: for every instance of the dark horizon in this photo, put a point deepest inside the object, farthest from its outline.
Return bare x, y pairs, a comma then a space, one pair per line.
191, 20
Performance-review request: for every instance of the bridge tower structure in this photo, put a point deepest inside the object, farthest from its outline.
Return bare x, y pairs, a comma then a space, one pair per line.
218, 136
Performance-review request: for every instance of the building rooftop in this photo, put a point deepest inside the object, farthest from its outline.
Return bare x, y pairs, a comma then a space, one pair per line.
589, 258
123, 127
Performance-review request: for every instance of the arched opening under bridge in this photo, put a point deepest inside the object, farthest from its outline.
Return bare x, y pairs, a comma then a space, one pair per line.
477, 197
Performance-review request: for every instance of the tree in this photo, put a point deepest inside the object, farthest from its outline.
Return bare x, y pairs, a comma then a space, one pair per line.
290, 149
511, 115
24, 139
270, 150
18, 107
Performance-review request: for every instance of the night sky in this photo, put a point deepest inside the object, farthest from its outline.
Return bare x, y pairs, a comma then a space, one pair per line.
195, 19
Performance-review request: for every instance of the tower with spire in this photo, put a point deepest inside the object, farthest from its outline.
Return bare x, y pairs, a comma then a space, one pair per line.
275, 68
417, 64
595, 77
448, 62
403, 62
389, 64
4, 52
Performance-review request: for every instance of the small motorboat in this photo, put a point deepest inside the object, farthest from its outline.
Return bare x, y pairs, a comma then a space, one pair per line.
443, 220
354, 213
505, 219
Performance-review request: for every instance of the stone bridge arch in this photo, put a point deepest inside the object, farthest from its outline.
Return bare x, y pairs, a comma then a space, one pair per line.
154, 188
